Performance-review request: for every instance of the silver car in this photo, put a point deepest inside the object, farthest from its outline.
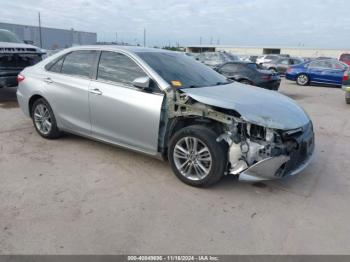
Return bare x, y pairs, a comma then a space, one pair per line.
170, 106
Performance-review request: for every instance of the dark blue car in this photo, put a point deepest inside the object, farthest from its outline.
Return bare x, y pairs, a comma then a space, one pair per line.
328, 72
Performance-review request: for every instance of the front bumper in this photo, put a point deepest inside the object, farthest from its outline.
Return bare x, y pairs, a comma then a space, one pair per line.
8, 81
283, 165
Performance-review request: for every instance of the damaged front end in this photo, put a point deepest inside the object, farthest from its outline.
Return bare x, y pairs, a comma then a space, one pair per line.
256, 152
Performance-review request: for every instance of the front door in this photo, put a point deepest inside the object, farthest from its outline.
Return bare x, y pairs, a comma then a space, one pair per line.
121, 113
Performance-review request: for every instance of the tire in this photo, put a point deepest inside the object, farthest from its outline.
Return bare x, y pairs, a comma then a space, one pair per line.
44, 119
347, 100
197, 172
245, 81
302, 80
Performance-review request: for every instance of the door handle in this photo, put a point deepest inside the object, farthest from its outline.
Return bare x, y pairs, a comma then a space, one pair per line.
95, 91
48, 80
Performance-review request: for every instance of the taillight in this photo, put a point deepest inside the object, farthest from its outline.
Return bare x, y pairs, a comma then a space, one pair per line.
346, 76
20, 78
266, 77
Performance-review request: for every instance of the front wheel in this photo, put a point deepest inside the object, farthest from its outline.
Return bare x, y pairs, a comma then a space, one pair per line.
302, 80
347, 100
196, 157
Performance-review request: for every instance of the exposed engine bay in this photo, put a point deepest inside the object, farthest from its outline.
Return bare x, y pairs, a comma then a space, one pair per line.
255, 152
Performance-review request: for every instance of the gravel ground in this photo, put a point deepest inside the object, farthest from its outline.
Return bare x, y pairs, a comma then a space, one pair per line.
76, 196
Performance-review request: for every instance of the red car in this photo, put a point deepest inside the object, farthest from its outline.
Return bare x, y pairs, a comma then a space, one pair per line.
345, 58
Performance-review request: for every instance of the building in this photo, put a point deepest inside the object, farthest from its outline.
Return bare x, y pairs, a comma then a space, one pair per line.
256, 50
51, 38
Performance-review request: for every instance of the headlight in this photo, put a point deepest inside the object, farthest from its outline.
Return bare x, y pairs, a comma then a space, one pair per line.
270, 135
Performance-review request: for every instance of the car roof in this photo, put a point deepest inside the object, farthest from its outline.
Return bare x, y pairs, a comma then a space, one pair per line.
132, 49
239, 62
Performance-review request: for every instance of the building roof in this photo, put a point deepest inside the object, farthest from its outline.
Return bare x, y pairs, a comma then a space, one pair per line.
264, 47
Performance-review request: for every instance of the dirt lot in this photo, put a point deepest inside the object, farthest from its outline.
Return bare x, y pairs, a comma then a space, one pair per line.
75, 196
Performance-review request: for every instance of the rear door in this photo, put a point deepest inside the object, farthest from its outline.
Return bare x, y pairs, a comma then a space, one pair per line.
324, 71
67, 84
121, 113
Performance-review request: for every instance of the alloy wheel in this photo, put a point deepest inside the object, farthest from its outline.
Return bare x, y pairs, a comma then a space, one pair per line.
42, 119
303, 80
192, 158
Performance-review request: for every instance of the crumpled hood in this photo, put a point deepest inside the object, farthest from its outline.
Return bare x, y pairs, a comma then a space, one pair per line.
256, 105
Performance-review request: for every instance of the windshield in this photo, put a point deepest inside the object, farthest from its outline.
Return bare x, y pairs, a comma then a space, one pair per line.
7, 36
182, 71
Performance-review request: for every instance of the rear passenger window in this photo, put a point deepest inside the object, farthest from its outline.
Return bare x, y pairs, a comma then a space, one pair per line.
78, 63
230, 68
118, 68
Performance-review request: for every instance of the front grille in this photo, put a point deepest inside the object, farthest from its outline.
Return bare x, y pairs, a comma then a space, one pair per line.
18, 61
17, 50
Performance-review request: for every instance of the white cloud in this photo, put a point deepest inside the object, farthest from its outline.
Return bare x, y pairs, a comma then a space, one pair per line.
243, 22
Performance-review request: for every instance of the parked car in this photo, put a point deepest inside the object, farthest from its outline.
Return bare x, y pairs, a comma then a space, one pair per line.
328, 72
168, 105
253, 58
346, 87
214, 59
347, 94
250, 74
14, 56
266, 59
345, 58
282, 64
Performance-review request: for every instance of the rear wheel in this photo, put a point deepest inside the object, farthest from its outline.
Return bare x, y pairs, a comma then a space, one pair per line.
303, 80
44, 120
347, 100
195, 156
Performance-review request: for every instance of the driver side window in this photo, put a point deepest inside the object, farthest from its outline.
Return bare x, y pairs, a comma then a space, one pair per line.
118, 68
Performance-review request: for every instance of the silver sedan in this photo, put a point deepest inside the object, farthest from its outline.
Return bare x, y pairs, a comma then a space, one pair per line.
168, 105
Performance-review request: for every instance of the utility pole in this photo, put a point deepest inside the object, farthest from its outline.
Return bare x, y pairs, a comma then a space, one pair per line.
40, 36
144, 37
116, 37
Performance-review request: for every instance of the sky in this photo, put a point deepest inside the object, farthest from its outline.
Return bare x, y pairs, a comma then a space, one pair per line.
309, 23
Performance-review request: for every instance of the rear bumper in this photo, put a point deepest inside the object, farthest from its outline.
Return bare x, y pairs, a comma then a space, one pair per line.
23, 102
271, 85
291, 77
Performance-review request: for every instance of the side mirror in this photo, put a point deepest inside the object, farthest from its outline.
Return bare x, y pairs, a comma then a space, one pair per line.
142, 82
